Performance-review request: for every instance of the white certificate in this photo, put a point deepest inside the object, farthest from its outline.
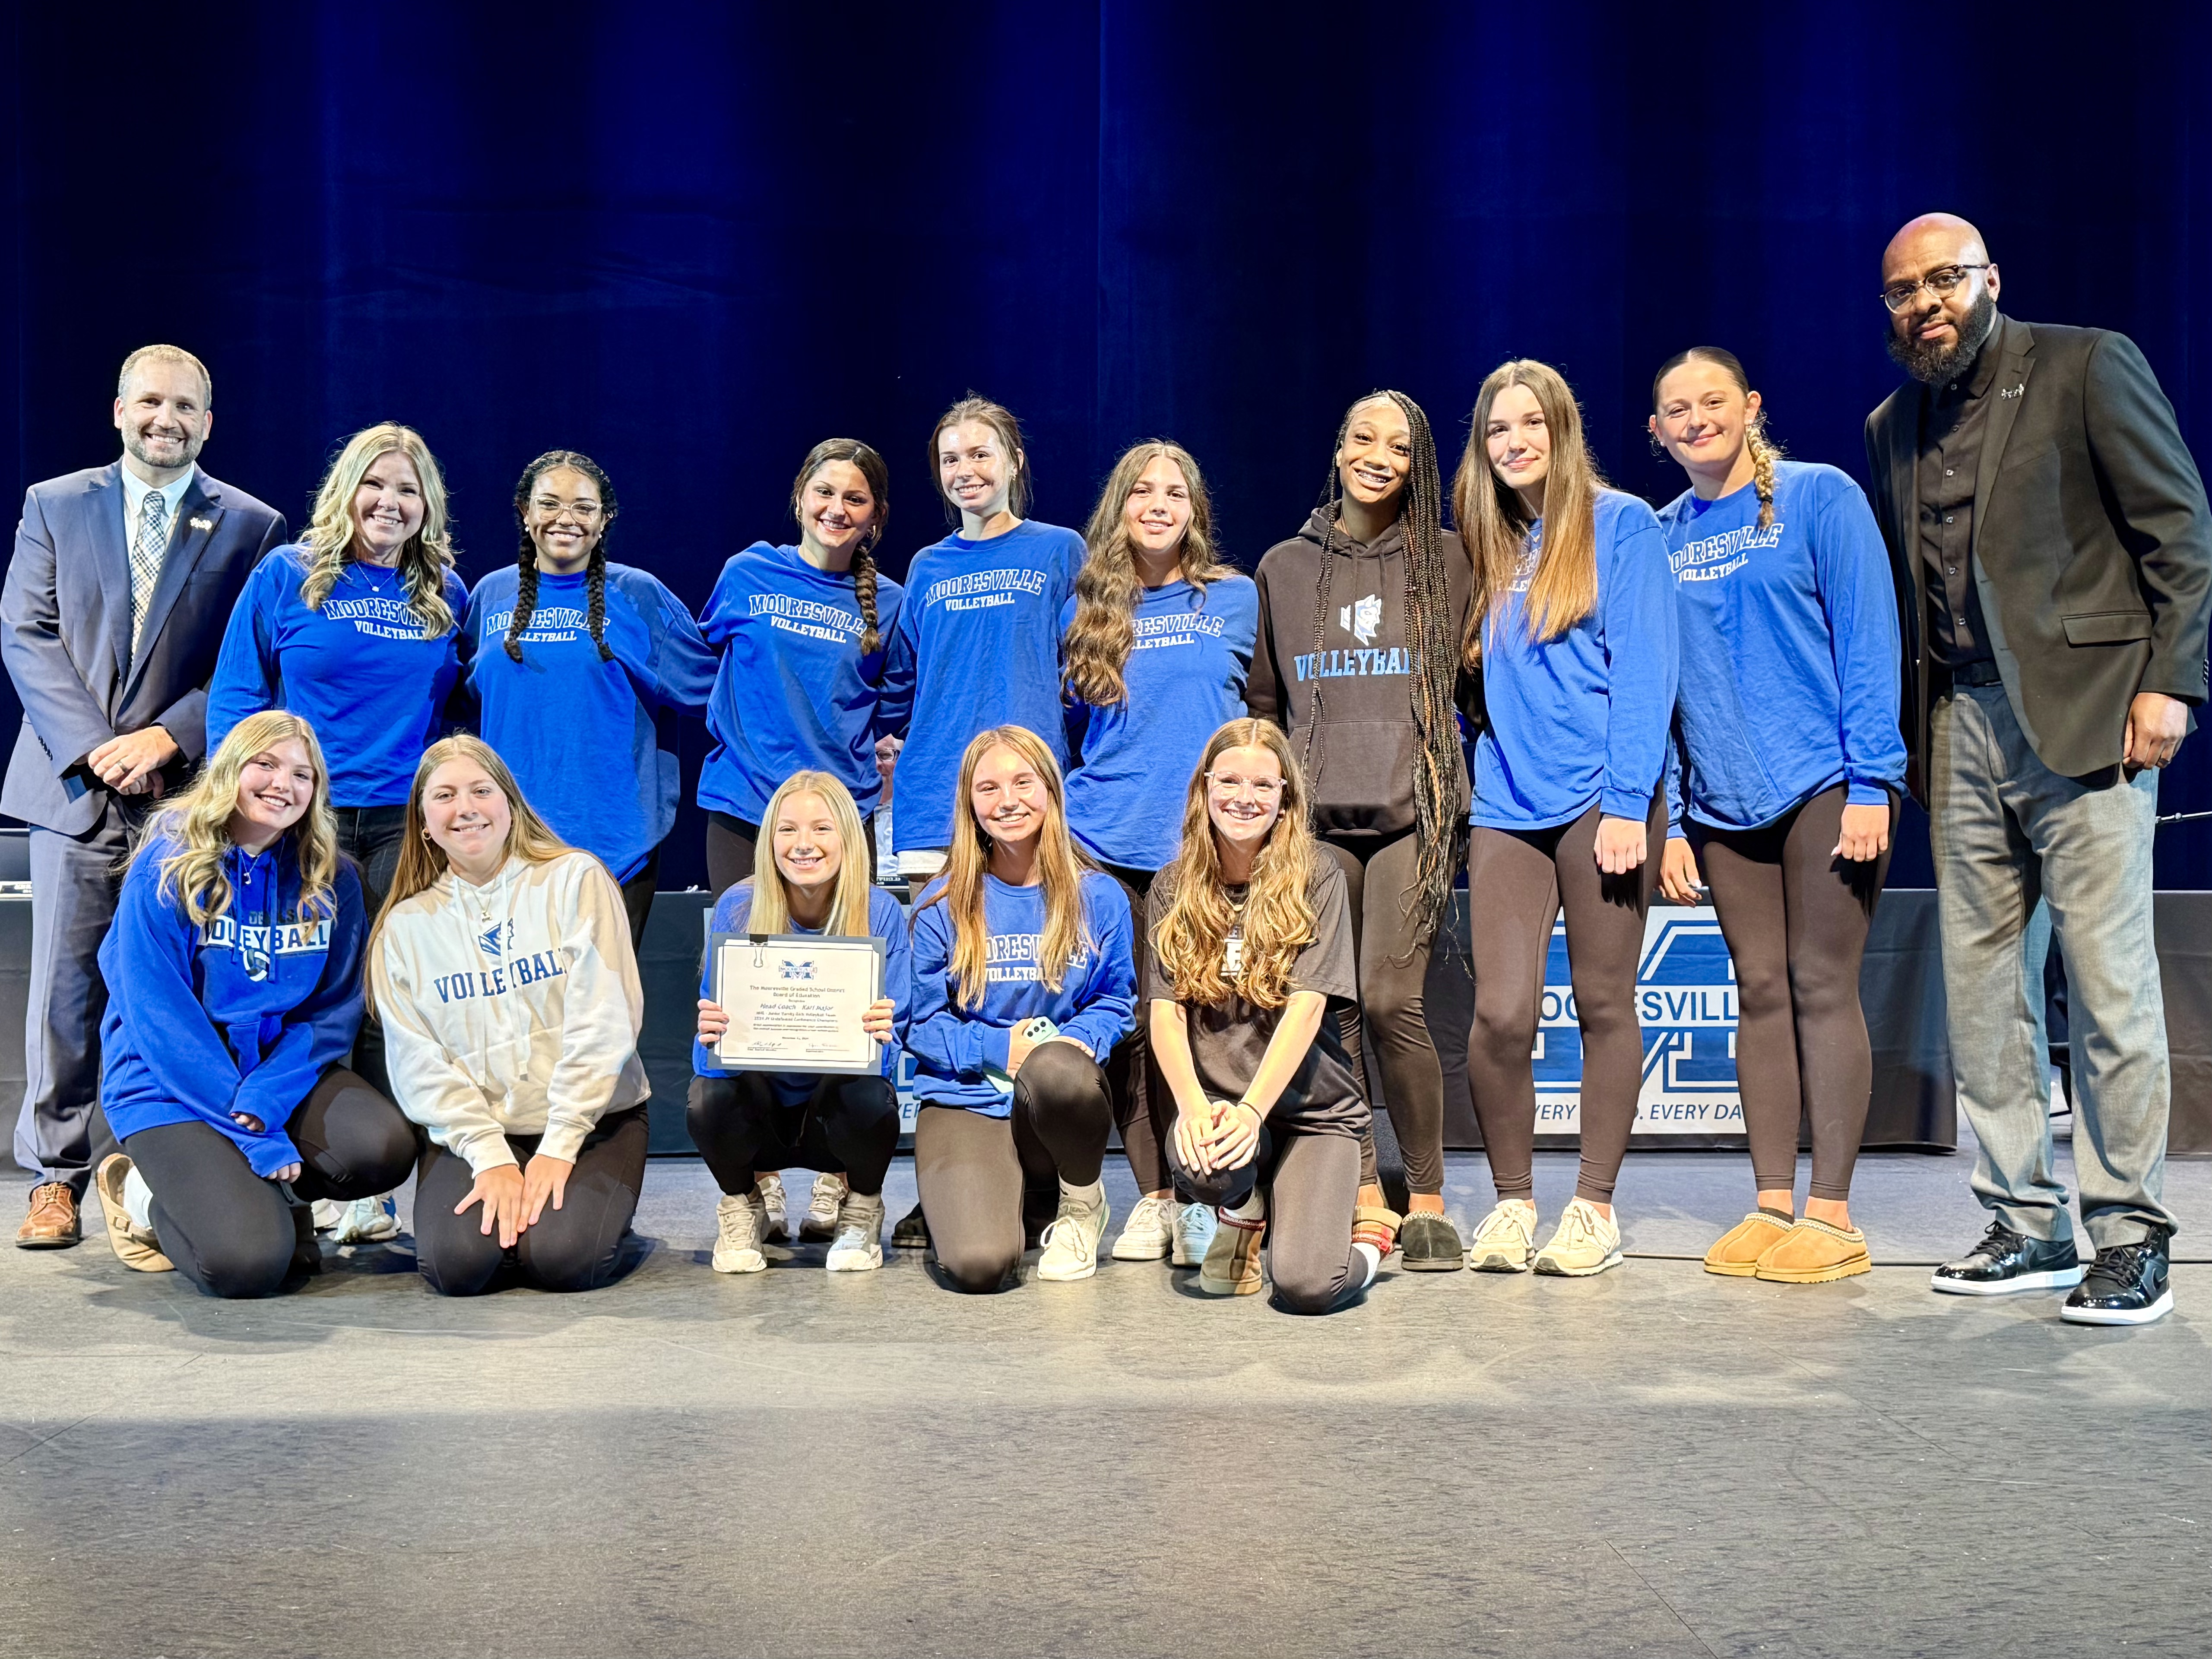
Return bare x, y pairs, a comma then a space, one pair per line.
794, 1002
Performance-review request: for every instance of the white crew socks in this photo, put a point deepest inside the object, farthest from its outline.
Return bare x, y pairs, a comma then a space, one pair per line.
1254, 1208
137, 1199
1363, 1251
1091, 1197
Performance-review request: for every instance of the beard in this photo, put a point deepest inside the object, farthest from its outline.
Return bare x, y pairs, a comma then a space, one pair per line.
188, 452
1935, 365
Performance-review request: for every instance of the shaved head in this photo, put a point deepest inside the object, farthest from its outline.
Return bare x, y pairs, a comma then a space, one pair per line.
1929, 242
1938, 272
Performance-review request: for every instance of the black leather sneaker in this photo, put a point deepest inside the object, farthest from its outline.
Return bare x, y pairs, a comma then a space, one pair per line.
2127, 1286
2005, 1261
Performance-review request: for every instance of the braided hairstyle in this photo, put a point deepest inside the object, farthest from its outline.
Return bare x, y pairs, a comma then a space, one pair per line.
1764, 452
855, 452
1438, 807
595, 572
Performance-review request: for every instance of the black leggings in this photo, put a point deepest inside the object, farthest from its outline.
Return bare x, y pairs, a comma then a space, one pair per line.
730, 842
578, 1246
1516, 884
1796, 920
849, 1123
1144, 1110
1393, 965
232, 1233
637, 898
973, 1169
1313, 1185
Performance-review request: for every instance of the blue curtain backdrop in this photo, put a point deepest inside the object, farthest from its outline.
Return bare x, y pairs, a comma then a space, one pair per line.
691, 241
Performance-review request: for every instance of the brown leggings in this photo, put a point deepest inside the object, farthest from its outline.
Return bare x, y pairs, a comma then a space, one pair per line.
1796, 922
973, 1169
1313, 1185
1517, 883
1389, 1020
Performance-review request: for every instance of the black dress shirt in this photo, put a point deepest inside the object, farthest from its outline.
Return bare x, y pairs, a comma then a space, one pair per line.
1953, 418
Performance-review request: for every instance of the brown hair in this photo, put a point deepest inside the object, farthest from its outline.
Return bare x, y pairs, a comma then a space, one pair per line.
864, 557
1060, 863
1495, 525
1277, 915
1764, 452
1101, 637
1001, 421
168, 354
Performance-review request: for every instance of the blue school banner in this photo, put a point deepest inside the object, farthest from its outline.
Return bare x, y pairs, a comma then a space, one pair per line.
1686, 1001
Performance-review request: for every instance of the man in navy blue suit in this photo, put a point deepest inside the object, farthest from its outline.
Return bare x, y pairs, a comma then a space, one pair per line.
110, 620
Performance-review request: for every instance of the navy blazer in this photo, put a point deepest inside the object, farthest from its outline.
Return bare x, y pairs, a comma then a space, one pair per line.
65, 632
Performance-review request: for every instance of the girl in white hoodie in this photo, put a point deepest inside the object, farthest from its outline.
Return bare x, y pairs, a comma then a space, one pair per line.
502, 968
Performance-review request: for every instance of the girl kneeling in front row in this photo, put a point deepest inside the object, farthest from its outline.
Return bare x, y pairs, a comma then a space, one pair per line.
1251, 941
502, 969
234, 975
810, 875
1022, 982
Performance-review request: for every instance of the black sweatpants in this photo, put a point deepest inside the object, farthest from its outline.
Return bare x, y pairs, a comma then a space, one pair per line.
1312, 1180
730, 843
370, 837
1391, 1024
232, 1233
973, 1169
578, 1246
1796, 920
848, 1124
1517, 881
1144, 1110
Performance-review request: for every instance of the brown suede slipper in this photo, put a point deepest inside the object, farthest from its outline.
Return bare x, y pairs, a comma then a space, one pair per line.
1813, 1252
1739, 1248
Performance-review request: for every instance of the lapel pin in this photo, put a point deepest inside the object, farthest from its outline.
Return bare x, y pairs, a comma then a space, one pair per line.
2015, 392
203, 524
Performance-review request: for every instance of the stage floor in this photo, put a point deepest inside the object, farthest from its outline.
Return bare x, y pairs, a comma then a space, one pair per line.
1655, 1461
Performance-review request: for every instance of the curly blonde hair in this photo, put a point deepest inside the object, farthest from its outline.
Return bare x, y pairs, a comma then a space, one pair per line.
428, 553
1276, 917
197, 824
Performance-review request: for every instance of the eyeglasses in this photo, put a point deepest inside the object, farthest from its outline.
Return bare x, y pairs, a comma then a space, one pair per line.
581, 512
1262, 790
1939, 282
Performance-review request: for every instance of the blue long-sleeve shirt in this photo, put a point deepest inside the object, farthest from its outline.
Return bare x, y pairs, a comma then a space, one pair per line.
886, 921
358, 670
1185, 678
953, 1045
794, 692
977, 646
243, 1014
1788, 646
1582, 718
593, 743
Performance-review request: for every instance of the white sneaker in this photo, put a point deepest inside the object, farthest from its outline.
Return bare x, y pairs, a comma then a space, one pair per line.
1586, 1242
858, 1245
1071, 1243
1194, 1234
327, 1212
774, 1230
1149, 1233
1506, 1240
367, 1221
739, 1223
823, 1206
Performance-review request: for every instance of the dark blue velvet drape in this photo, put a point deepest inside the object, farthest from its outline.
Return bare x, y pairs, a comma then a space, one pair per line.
691, 239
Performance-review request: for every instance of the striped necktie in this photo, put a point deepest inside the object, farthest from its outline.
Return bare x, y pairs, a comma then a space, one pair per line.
146, 548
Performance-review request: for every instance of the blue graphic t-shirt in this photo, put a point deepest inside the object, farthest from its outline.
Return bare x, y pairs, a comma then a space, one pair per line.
357, 669
1185, 678
977, 646
593, 743
794, 692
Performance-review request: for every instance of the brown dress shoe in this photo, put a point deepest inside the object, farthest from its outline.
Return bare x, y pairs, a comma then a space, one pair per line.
51, 1224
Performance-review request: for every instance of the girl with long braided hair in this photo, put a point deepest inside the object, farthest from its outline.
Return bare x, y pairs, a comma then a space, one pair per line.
1358, 660
574, 661
1785, 607
1158, 643
1573, 627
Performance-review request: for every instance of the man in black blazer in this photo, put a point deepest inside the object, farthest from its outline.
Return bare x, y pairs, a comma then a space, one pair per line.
112, 615
2052, 551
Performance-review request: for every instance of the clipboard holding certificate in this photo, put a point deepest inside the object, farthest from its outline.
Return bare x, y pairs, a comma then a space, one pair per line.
794, 1002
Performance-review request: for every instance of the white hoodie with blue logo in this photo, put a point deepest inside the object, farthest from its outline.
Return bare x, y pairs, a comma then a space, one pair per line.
511, 1008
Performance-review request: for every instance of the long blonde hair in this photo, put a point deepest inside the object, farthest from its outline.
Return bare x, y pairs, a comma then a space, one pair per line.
1104, 632
1495, 525
422, 861
1278, 915
1061, 864
848, 903
197, 823
428, 553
